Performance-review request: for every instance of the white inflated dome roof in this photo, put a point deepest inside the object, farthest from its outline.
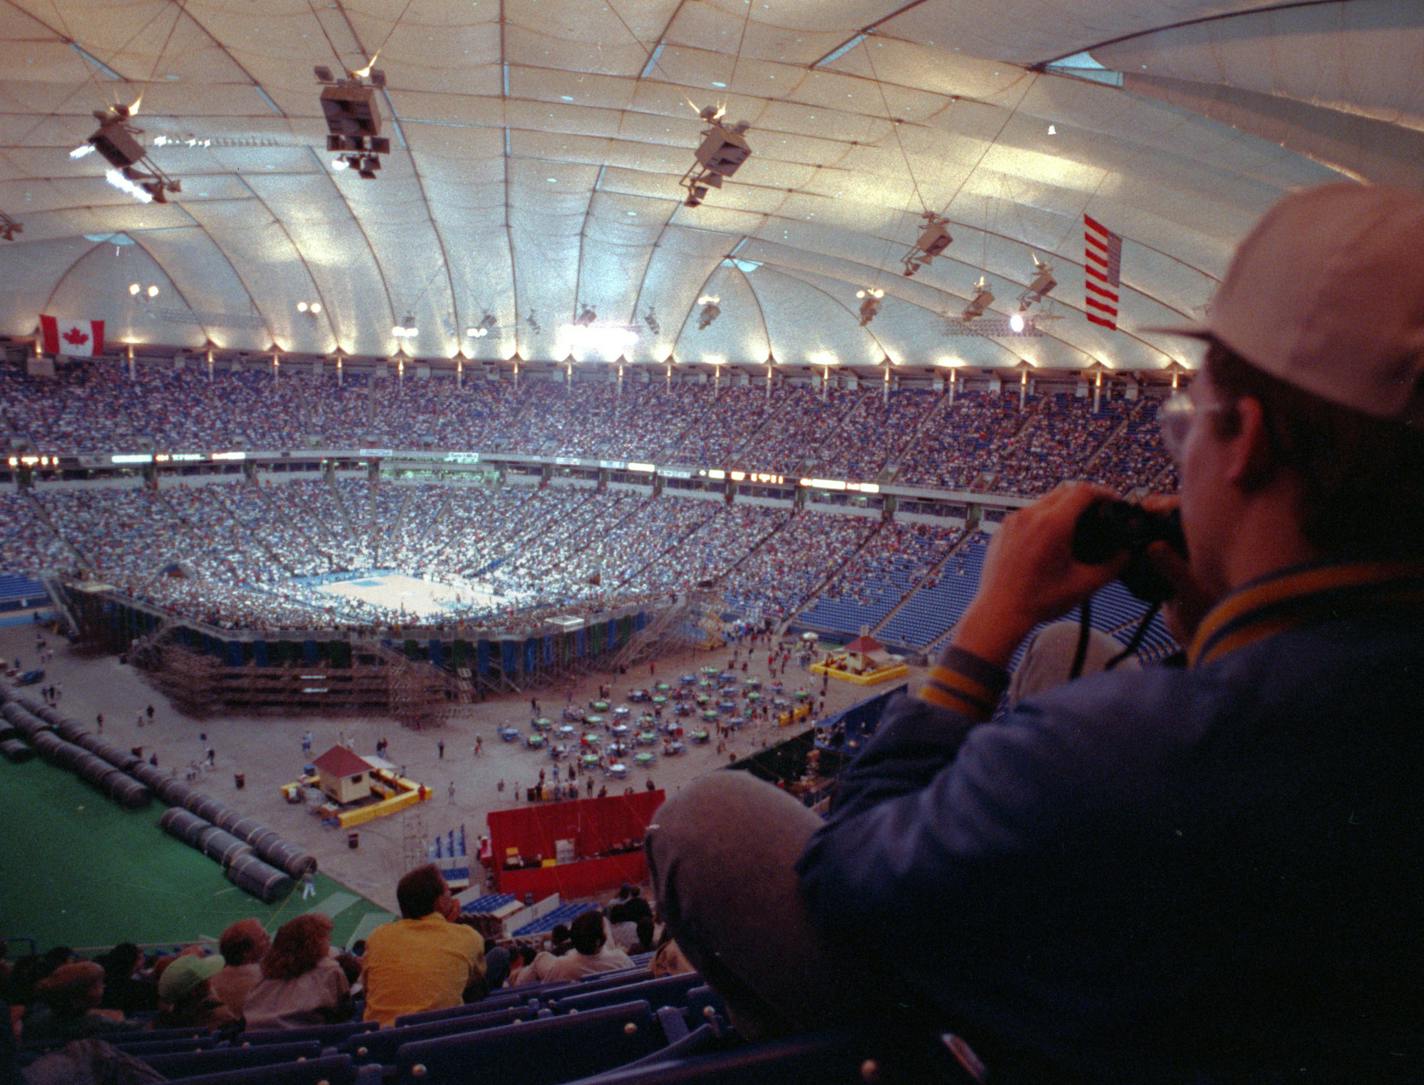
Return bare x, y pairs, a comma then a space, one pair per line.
537, 147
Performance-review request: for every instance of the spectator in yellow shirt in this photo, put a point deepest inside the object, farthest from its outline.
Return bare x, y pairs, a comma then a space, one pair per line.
424, 960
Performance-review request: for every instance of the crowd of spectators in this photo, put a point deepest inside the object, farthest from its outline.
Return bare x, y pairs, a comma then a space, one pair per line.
257, 554
781, 573
431, 957
981, 437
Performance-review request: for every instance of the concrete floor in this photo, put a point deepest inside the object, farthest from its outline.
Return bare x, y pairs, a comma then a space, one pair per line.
268, 750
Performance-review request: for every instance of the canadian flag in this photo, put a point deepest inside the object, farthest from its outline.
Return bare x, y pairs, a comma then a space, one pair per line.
73, 338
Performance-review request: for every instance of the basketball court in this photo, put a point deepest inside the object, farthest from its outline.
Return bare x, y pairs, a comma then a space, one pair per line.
416, 597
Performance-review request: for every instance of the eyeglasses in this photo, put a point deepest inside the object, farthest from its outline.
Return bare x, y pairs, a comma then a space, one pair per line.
1174, 420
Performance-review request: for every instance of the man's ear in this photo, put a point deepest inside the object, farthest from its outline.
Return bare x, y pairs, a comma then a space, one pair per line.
1250, 461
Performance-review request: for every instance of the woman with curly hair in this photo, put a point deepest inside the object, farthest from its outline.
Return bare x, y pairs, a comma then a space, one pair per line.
301, 984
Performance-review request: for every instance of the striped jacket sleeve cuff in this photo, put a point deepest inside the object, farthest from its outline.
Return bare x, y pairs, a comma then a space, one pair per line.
962, 682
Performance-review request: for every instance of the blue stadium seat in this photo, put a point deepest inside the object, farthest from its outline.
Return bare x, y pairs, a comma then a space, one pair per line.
326, 1035
542, 1052
167, 1047
500, 1000
803, 1060
664, 991
382, 1045
191, 1063
331, 1069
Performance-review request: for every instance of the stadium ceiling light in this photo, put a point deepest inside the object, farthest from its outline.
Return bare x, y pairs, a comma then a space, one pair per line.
486, 325
1017, 322
135, 289
406, 329
710, 311
353, 120
720, 154
312, 308
870, 303
1041, 286
152, 291
132, 172
933, 240
982, 299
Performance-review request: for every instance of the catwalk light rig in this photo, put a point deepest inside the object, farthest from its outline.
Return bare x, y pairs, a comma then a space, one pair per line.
353, 119
721, 153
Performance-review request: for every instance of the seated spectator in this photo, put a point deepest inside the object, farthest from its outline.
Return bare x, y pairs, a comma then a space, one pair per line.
123, 989
560, 940
497, 966
622, 931
302, 983
67, 1006
647, 940
1206, 873
185, 996
520, 958
591, 952
631, 897
424, 960
243, 945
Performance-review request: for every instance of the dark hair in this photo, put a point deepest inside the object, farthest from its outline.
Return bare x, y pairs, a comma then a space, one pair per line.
418, 892
587, 932
120, 961
299, 947
1349, 466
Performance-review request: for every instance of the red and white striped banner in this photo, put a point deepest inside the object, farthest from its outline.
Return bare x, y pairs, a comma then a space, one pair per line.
1102, 263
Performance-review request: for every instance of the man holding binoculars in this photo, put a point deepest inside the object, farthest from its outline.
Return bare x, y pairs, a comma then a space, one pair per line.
1207, 872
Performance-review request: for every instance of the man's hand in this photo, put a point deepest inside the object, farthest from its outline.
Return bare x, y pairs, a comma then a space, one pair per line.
1190, 601
1030, 574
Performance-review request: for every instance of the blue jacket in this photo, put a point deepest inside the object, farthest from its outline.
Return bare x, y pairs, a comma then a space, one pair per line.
1203, 874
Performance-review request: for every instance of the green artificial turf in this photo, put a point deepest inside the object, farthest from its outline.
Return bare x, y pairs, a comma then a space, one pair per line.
76, 869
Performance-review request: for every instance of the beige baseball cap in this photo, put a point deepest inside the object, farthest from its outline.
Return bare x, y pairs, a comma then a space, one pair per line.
1327, 294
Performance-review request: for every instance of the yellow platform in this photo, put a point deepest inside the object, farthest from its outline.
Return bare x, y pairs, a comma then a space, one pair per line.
887, 673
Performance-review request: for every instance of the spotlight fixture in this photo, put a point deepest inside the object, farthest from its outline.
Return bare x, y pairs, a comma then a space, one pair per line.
142, 293
721, 153
9, 227
486, 325
933, 240
870, 303
406, 329
1041, 286
1017, 323
710, 311
311, 308
981, 300
586, 316
152, 291
132, 171
353, 120
650, 318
